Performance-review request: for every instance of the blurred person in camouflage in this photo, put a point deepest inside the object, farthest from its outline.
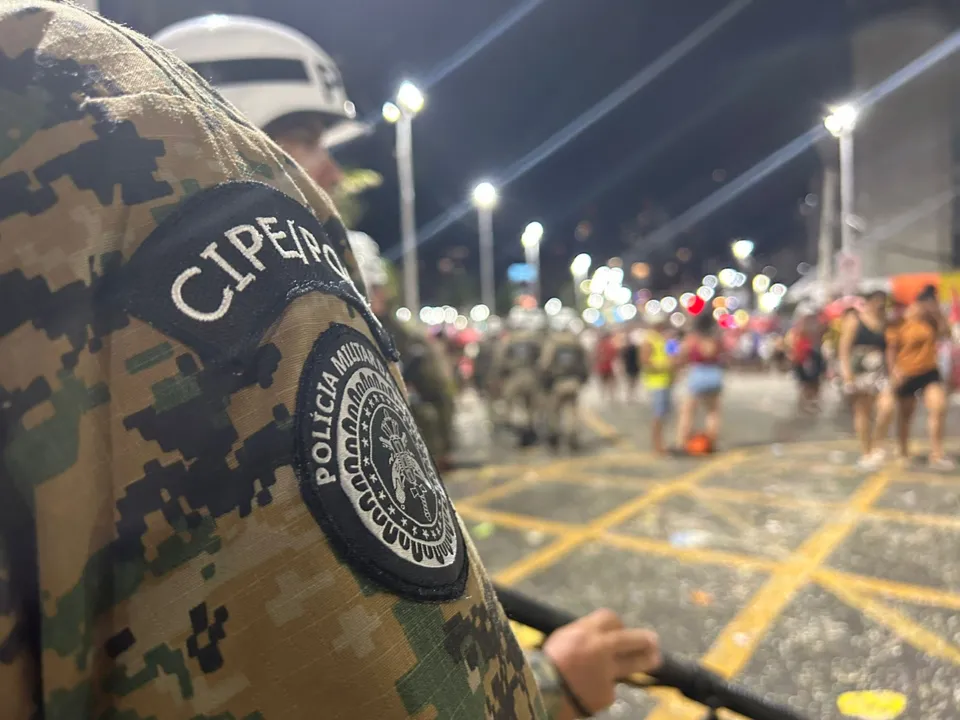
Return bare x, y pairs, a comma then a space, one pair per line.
514, 373
213, 499
564, 368
305, 110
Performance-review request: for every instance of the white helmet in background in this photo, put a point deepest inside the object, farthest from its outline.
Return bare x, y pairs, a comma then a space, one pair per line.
367, 254
267, 70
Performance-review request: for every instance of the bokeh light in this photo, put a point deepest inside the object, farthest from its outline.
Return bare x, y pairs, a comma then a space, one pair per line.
761, 283
479, 313
727, 277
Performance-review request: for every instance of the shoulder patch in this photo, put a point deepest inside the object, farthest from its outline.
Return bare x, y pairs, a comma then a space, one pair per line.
219, 270
366, 474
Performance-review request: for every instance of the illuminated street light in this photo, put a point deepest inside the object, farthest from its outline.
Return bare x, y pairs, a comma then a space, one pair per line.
391, 113
485, 198
742, 249
410, 98
841, 123
532, 235
580, 266
842, 119
409, 102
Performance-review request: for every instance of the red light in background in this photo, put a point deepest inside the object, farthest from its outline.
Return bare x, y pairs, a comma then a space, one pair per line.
696, 306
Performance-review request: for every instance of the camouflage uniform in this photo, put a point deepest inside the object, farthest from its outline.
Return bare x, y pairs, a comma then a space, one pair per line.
514, 372
563, 369
184, 533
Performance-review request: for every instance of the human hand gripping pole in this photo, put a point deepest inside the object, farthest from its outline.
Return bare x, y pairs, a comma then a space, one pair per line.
693, 681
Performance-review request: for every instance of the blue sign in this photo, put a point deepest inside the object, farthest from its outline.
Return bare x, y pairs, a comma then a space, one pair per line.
522, 273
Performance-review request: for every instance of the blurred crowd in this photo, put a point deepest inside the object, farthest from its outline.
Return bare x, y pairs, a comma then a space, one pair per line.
878, 359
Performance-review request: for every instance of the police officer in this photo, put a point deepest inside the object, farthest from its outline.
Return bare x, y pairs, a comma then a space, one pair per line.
213, 500
429, 385
515, 375
564, 369
307, 118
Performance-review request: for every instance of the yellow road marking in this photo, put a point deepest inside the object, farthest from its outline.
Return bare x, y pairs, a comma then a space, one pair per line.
918, 594
927, 520
906, 628
542, 558
647, 546
558, 549
498, 491
753, 497
738, 640
758, 498
516, 522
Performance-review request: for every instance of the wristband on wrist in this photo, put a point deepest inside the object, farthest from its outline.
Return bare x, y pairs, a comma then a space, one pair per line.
553, 686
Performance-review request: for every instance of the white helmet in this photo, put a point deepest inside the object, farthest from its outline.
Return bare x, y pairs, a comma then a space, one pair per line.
367, 254
267, 70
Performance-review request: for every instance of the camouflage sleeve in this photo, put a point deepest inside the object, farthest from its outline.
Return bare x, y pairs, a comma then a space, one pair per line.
17, 663
227, 506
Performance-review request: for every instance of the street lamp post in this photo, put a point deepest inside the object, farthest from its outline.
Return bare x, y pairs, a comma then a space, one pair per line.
841, 123
485, 199
410, 101
742, 250
530, 240
579, 269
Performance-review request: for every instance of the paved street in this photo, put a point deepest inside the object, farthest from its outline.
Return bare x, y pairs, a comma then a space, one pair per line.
776, 562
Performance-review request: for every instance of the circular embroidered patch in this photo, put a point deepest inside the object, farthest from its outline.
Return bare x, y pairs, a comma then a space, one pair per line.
367, 476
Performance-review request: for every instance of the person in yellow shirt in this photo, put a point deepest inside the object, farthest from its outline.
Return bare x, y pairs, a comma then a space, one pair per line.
657, 380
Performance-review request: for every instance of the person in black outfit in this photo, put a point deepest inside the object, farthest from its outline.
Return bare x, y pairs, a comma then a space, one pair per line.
863, 368
631, 365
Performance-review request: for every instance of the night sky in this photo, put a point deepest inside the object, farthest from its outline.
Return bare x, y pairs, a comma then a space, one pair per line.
758, 82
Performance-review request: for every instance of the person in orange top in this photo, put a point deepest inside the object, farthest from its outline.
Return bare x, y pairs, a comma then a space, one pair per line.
912, 358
